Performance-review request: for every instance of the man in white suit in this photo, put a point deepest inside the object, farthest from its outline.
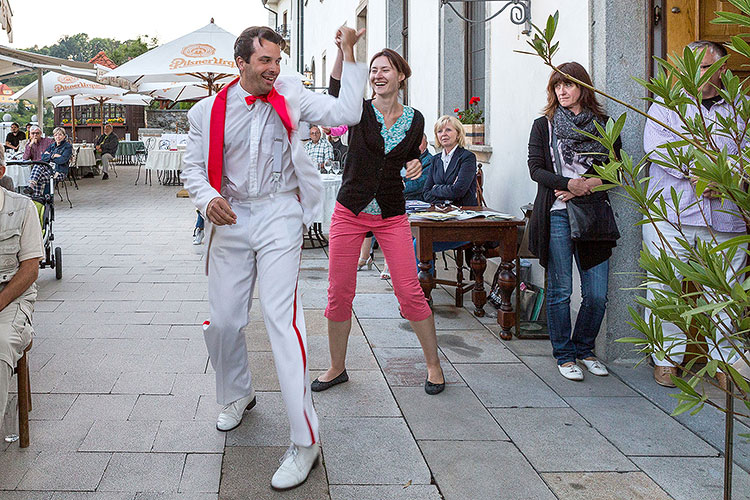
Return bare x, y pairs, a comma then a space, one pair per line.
246, 169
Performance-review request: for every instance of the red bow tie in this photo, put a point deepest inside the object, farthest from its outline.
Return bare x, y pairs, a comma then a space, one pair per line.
252, 98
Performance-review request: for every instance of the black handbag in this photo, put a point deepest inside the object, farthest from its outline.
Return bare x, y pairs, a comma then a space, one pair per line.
591, 217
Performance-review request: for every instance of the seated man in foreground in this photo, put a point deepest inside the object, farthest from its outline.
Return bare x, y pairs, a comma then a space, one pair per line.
20, 250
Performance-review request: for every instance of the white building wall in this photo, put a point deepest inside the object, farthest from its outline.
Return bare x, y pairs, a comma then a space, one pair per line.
517, 94
323, 18
423, 58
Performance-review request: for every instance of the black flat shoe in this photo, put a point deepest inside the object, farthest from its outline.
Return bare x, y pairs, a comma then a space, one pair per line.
433, 389
318, 386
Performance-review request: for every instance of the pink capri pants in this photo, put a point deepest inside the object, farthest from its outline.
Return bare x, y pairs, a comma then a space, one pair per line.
345, 240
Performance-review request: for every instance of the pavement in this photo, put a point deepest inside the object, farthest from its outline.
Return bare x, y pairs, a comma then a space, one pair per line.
124, 407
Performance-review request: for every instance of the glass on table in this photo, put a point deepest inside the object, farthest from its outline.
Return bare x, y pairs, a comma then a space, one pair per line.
327, 165
336, 167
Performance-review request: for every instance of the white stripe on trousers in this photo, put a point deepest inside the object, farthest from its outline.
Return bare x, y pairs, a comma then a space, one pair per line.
266, 242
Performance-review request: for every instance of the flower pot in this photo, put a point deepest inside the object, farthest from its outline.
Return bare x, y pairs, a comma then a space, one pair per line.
474, 133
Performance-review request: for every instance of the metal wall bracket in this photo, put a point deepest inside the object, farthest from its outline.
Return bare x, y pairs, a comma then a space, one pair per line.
520, 12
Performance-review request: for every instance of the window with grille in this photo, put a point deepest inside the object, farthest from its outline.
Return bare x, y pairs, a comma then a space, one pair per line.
475, 52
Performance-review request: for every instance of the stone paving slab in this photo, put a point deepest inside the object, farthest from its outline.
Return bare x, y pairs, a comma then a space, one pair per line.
264, 426
604, 486
159, 472
689, 478
390, 492
456, 414
201, 473
371, 451
473, 346
406, 367
114, 436
508, 385
366, 394
637, 427
247, 472
65, 471
559, 440
389, 333
592, 385
467, 469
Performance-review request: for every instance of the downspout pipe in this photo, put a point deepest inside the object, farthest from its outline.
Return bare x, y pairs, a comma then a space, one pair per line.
276, 14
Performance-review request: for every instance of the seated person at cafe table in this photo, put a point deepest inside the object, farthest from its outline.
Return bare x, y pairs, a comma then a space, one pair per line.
106, 148
36, 145
452, 176
14, 138
319, 150
58, 153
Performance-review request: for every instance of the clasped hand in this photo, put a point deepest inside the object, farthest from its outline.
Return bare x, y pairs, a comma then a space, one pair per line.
219, 212
413, 169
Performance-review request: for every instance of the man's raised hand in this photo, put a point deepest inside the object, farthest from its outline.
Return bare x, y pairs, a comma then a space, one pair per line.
346, 37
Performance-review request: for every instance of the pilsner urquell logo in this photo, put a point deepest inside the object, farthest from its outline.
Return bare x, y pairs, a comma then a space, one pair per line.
199, 54
68, 82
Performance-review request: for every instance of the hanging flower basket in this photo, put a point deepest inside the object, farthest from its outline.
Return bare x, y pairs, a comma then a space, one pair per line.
473, 121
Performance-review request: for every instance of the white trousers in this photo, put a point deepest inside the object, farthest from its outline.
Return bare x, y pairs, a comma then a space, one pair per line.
676, 347
265, 243
106, 158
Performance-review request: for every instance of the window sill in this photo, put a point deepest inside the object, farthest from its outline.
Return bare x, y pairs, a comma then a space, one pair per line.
483, 151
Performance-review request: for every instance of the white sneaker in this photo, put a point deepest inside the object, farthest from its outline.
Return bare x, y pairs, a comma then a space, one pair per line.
231, 416
572, 372
198, 237
595, 367
296, 464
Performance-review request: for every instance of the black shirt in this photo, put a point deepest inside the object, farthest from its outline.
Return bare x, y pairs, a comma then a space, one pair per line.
15, 138
709, 102
371, 173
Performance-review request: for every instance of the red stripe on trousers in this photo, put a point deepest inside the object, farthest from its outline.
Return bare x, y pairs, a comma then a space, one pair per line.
304, 356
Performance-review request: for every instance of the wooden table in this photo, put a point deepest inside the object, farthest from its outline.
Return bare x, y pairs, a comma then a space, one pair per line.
479, 231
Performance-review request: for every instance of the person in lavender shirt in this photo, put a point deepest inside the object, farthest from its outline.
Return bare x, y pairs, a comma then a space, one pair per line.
702, 219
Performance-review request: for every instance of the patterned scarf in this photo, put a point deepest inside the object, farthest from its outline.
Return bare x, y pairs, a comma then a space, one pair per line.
573, 144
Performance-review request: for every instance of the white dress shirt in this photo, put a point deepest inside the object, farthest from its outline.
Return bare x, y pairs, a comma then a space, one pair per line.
249, 135
447, 158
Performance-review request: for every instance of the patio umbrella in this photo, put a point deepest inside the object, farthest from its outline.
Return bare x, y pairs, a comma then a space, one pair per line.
56, 84
203, 57
87, 100
183, 91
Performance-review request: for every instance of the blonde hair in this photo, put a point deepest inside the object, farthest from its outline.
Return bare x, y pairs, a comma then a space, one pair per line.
453, 122
60, 129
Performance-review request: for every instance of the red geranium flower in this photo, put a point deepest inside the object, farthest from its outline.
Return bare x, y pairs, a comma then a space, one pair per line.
474, 100
456, 110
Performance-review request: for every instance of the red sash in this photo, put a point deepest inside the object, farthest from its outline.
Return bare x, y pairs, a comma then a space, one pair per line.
218, 119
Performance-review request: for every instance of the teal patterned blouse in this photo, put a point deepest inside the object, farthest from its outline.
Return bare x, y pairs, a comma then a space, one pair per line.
391, 136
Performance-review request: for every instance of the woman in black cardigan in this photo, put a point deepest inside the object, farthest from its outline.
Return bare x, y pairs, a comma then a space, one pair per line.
570, 108
371, 198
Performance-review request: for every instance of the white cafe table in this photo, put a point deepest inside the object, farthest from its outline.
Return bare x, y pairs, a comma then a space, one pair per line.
167, 165
331, 186
19, 173
86, 157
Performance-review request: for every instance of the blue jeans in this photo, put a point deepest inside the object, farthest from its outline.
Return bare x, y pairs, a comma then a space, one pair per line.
199, 221
567, 348
438, 246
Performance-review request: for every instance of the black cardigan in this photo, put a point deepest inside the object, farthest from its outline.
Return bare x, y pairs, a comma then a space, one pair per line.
458, 184
369, 172
542, 170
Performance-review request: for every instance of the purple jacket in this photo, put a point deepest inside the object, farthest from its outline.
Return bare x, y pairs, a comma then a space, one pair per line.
34, 152
654, 135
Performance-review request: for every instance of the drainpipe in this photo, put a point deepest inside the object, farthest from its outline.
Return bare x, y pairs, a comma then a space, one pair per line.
276, 14
300, 35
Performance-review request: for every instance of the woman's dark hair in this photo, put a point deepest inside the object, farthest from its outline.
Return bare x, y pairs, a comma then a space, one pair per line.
398, 63
244, 46
587, 99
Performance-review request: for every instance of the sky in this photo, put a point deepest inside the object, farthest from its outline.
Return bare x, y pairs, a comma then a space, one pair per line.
43, 22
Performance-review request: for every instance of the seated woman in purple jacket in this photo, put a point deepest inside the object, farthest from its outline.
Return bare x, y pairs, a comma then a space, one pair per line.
452, 176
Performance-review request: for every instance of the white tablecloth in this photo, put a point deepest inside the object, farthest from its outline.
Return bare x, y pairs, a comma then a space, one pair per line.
162, 159
331, 186
174, 139
19, 173
86, 157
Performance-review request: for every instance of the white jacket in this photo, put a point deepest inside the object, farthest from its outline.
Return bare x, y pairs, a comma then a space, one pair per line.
302, 105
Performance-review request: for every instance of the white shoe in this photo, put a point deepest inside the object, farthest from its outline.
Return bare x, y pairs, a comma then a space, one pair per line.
595, 367
572, 372
231, 416
296, 464
198, 237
